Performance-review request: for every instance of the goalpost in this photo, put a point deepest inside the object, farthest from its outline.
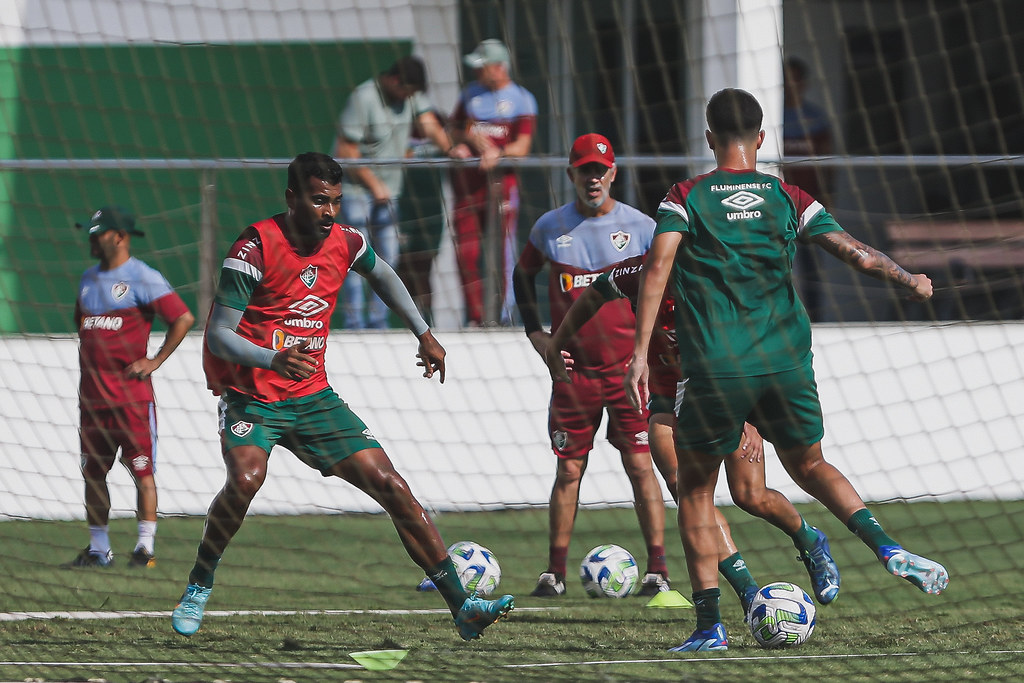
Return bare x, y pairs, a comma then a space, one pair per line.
187, 112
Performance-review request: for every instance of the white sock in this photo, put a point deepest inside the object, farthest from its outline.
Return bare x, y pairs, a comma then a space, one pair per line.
147, 536
99, 539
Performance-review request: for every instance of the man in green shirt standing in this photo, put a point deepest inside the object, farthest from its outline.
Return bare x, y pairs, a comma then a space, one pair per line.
376, 123
725, 242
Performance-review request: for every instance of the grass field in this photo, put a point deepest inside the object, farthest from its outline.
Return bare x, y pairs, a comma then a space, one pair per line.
351, 586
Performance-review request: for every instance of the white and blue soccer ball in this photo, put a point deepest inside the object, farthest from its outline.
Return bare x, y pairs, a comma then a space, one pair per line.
477, 567
609, 571
781, 615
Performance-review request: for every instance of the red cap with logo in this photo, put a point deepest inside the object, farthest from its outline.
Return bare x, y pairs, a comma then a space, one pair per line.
591, 148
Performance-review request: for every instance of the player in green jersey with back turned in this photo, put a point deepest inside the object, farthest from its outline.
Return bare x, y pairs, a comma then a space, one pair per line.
725, 243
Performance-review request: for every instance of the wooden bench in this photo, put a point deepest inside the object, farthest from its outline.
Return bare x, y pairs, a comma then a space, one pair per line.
942, 248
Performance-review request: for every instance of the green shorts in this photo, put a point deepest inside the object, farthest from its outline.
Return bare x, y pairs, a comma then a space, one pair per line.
784, 407
659, 403
320, 428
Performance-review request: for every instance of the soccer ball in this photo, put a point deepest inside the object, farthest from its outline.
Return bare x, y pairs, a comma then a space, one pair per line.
609, 571
477, 567
781, 615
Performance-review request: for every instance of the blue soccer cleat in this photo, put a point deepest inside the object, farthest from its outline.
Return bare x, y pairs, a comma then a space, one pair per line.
476, 614
822, 569
188, 614
928, 575
713, 639
426, 585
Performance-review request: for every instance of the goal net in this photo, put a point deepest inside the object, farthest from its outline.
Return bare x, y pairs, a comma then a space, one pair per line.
902, 117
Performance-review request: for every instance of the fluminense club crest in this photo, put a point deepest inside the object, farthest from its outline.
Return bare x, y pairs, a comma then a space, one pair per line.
241, 428
308, 276
620, 239
119, 290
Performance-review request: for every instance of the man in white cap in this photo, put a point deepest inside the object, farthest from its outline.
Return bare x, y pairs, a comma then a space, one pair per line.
494, 118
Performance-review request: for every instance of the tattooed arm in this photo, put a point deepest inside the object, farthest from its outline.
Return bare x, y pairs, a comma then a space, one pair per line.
873, 263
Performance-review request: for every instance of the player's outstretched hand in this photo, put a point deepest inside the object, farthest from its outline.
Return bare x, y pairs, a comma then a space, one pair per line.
922, 288
141, 369
559, 363
294, 363
751, 443
431, 356
635, 382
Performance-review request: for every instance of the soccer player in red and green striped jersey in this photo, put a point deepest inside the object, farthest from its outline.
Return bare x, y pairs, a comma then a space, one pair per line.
264, 356
724, 243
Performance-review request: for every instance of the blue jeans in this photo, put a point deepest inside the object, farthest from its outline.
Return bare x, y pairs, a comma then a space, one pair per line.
379, 225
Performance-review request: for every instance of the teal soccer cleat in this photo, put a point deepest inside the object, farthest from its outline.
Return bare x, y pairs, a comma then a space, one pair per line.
476, 614
928, 575
822, 569
188, 614
713, 639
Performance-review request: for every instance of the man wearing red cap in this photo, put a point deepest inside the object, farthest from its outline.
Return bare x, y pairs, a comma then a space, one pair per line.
581, 240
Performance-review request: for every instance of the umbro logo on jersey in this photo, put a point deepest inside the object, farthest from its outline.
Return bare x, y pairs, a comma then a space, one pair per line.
564, 241
241, 428
620, 239
119, 290
743, 200
308, 276
309, 306
368, 434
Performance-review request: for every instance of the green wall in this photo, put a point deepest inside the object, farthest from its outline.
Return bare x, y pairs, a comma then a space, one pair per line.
152, 102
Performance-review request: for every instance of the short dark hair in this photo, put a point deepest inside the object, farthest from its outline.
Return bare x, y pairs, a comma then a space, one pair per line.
410, 71
312, 165
795, 68
734, 114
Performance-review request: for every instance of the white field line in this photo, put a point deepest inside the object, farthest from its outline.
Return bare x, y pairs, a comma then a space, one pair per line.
715, 660
604, 662
132, 614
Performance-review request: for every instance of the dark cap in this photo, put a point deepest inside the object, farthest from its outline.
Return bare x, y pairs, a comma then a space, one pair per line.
591, 148
111, 218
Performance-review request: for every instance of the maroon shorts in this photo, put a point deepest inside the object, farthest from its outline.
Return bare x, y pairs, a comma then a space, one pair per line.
132, 428
576, 410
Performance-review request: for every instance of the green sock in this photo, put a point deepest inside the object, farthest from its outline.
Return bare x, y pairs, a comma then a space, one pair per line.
706, 603
867, 528
735, 571
205, 566
805, 537
446, 579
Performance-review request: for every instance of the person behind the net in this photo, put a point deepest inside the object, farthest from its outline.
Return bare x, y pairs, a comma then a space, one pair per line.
806, 132
578, 241
744, 467
494, 117
376, 123
263, 354
118, 299
725, 242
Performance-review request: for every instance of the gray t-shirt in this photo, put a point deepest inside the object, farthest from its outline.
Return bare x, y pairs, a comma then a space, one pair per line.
380, 129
